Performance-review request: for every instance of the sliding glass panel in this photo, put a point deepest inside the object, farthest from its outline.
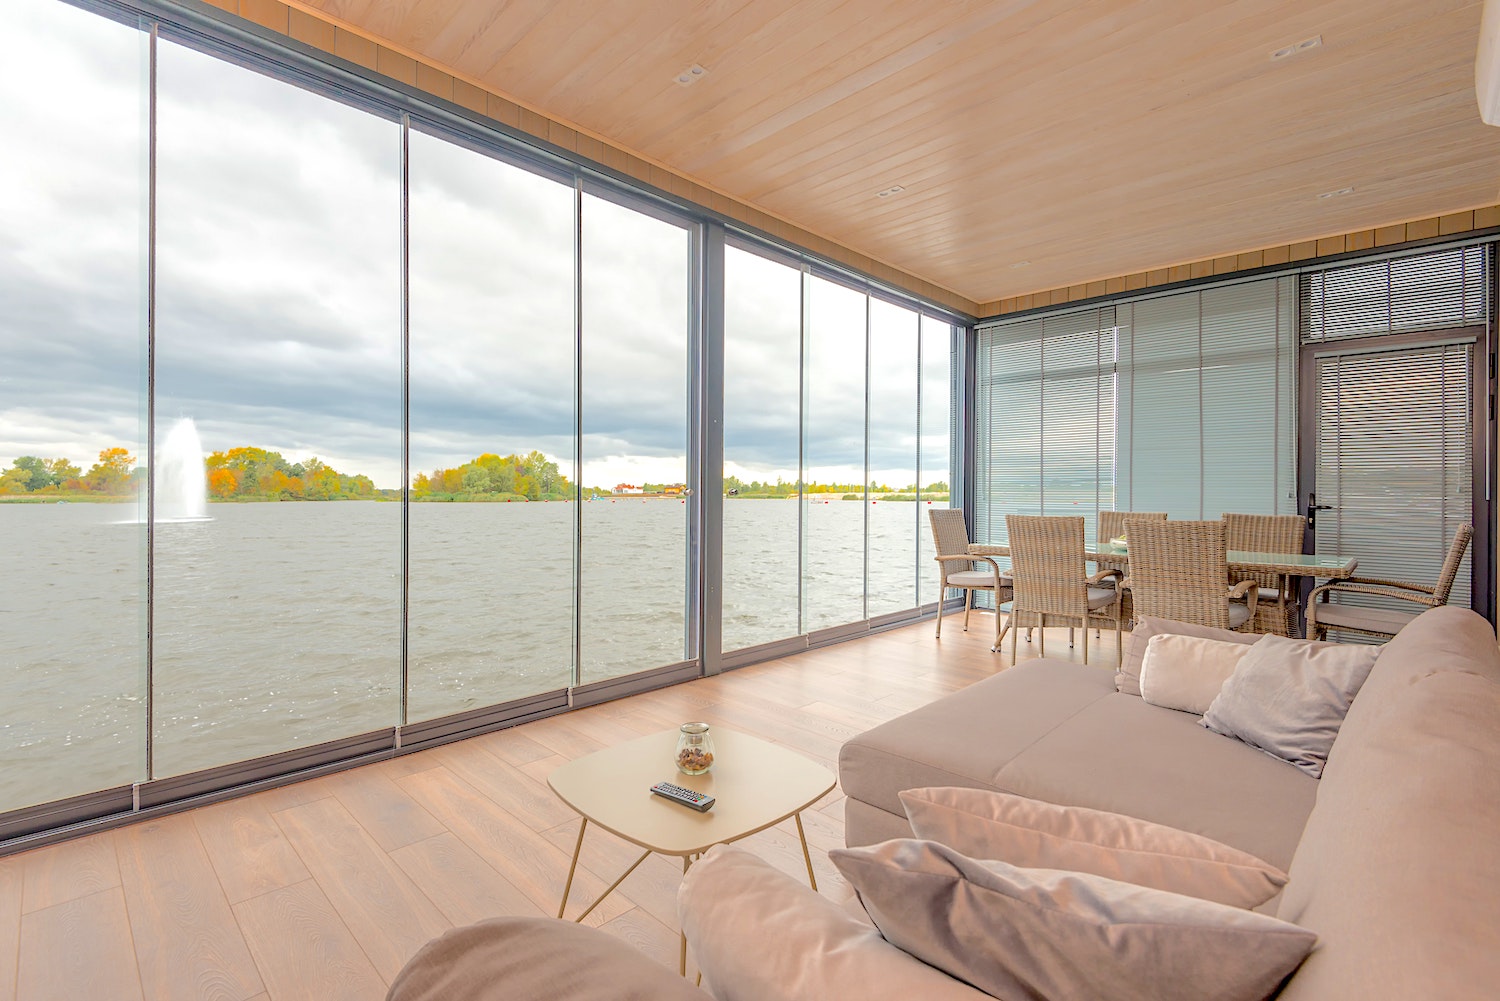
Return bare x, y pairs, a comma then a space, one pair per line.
490, 610
1241, 412
762, 397
72, 394
894, 337
277, 625
934, 471
833, 564
637, 279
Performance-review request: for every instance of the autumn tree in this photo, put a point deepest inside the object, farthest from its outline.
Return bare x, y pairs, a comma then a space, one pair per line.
111, 474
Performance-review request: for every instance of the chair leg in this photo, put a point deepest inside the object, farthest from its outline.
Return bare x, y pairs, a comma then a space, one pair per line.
1014, 635
1070, 638
1041, 638
968, 603
942, 595
1085, 642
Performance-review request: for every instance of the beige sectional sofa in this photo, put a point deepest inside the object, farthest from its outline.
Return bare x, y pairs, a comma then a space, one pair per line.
1393, 855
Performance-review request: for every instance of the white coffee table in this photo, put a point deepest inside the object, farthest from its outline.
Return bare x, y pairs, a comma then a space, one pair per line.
757, 785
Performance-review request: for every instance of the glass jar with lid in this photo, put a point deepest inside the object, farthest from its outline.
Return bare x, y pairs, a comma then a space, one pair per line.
695, 749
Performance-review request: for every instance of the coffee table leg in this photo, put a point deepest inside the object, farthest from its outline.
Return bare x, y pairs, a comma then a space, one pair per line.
682, 960
600, 899
577, 848
806, 855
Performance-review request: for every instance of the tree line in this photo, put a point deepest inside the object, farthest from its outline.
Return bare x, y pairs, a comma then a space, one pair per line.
491, 477
114, 475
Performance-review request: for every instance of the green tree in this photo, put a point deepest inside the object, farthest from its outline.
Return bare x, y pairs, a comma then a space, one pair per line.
38, 476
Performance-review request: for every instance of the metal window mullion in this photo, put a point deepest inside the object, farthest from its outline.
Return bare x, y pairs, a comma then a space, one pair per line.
802, 408
405, 701
865, 490
577, 673
150, 414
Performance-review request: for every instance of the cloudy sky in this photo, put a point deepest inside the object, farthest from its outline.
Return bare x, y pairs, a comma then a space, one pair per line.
278, 291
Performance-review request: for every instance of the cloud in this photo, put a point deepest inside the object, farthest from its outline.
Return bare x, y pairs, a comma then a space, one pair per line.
278, 290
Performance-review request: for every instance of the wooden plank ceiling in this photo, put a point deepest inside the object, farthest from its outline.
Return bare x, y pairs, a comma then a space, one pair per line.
1040, 143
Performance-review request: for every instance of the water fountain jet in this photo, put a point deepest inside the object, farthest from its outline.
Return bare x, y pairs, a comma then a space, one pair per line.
181, 480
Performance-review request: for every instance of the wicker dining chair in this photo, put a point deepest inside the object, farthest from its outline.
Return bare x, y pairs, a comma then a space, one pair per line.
1323, 615
1047, 559
1112, 526
1112, 523
956, 569
1276, 607
1178, 570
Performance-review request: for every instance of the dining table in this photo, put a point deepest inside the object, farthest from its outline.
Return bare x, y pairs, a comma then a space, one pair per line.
1329, 566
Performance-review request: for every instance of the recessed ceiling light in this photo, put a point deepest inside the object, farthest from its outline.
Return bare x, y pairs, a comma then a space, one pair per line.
1314, 42
894, 189
691, 75
1335, 194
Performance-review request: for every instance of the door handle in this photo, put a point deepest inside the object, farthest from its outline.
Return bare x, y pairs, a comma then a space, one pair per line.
1313, 507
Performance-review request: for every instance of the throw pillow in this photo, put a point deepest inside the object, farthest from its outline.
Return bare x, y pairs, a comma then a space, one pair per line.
1186, 672
1033, 834
1044, 933
1288, 697
1128, 678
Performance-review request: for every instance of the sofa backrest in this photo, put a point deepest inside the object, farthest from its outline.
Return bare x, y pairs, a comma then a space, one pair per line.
1398, 869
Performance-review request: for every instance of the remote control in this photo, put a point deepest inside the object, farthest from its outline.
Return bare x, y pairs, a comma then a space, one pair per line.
700, 801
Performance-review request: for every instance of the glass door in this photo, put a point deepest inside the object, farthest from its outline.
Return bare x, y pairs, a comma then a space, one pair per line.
1392, 426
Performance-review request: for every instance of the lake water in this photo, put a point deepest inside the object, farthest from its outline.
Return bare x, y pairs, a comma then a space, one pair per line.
280, 625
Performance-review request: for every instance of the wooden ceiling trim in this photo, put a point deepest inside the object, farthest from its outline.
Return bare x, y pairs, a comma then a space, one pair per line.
323, 29
1453, 224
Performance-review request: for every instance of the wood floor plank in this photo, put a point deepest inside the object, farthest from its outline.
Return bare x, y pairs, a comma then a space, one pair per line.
660, 941
527, 799
462, 885
70, 870
247, 848
187, 943
304, 950
524, 857
388, 915
12, 880
79, 950
383, 808
513, 745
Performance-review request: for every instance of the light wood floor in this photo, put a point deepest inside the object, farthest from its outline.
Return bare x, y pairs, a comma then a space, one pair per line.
323, 889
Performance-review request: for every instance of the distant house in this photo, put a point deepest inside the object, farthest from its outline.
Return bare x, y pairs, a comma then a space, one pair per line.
627, 488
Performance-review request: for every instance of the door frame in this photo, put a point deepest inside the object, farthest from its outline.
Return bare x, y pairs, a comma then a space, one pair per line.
1482, 434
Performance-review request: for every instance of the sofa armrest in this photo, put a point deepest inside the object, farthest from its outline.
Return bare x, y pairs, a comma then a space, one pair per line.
535, 959
759, 935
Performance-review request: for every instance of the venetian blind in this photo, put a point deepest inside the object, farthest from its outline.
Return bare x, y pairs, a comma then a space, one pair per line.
1395, 460
1045, 419
1449, 288
1208, 401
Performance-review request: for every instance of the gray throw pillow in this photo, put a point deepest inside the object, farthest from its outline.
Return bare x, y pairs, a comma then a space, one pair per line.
1289, 697
1051, 935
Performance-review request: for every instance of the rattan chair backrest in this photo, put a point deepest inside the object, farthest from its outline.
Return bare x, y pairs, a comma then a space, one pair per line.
1178, 570
1112, 523
1450, 565
1264, 533
950, 535
1047, 564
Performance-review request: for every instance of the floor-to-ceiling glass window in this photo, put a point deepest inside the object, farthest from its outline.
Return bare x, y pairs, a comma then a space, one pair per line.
637, 279
833, 532
762, 407
935, 462
894, 379
72, 390
490, 609
278, 368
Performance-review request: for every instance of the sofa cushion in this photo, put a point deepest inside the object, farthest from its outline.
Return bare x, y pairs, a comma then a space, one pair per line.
1289, 697
966, 738
1398, 868
1044, 933
1128, 678
1125, 756
1186, 672
731, 901
516, 959
1036, 835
